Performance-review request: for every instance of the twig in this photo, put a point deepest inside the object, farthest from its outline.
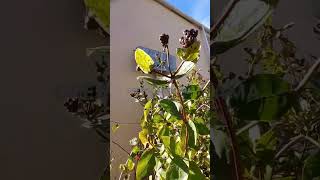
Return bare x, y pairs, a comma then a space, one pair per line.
246, 127
202, 106
224, 113
206, 85
168, 60
181, 101
307, 77
120, 147
222, 110
160, 73
293, 140
185, 120
312, 141
179, 67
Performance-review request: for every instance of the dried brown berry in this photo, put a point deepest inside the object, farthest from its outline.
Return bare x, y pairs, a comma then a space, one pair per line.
190, 36
164, 39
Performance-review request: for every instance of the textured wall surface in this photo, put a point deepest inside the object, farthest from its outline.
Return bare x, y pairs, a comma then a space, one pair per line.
42, 51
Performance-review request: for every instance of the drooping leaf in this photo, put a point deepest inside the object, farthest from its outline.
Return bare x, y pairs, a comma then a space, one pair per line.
195, 172
220, 141
146, 164
178, 170
185, 68
191, 53
222, 168
192, 134
160, 81
144, 61
263, 97
192, 92
170, 107
245, 18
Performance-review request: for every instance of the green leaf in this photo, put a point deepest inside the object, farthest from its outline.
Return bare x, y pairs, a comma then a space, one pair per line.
245, 18
157, 118
266, 146
191, 53
146, 164
160, 81
178, 170
201, 126
195, 172
185, 67
144, 61
312, 166
100, 9
263, 97
181, 145
143, 136
170, 107
192, 134
192, 92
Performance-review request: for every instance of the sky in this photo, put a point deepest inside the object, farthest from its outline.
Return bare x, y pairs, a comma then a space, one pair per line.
198, 10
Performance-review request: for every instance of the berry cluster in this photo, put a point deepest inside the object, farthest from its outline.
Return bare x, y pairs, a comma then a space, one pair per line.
190, 36
164, 39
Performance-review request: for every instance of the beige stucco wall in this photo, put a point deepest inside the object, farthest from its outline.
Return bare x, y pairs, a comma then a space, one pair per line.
138, 23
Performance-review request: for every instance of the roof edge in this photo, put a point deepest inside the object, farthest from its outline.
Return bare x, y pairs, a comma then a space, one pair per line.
183, 15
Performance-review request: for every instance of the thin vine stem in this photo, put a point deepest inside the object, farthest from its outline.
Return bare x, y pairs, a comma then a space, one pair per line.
307, 77
115, 143
222, 111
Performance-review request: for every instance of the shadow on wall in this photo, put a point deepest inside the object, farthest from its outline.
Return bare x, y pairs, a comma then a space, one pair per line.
43, 49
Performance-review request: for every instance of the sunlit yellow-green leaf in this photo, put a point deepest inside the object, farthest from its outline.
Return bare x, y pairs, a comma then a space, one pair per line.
192, 53
143, 136
146, 164
144, 61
